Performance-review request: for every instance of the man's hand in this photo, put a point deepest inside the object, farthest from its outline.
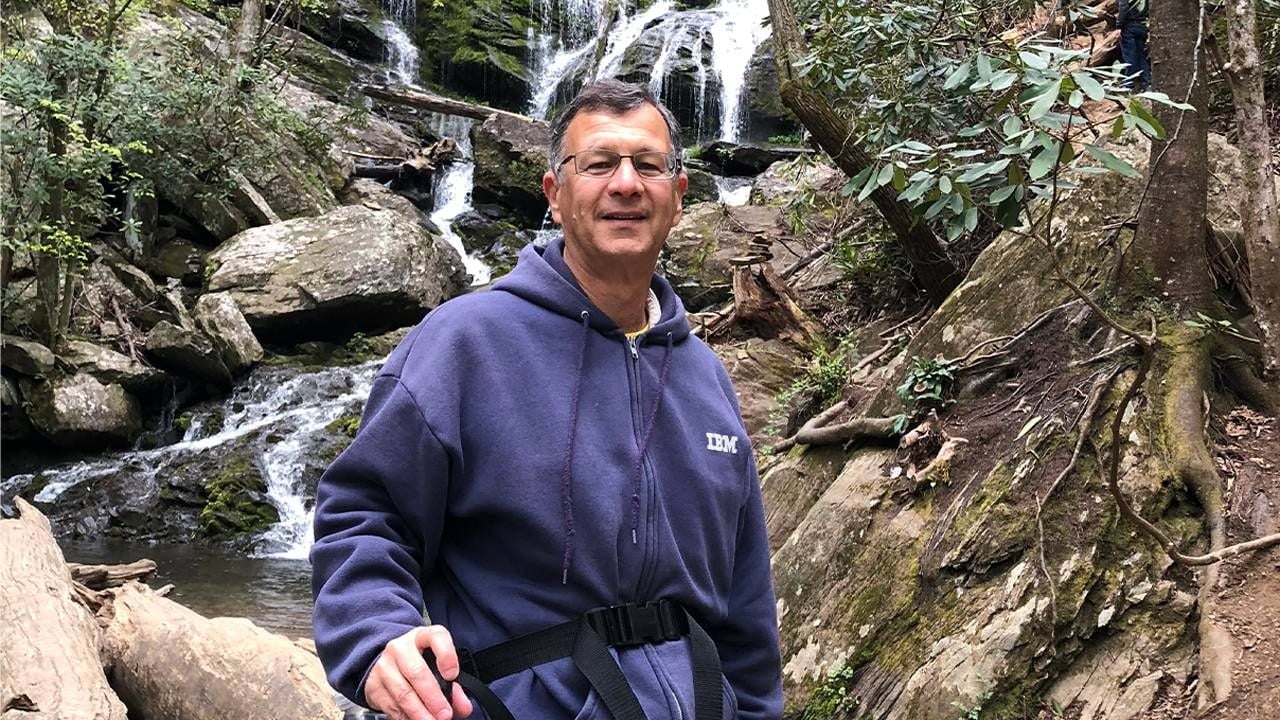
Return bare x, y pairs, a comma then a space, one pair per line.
401, 684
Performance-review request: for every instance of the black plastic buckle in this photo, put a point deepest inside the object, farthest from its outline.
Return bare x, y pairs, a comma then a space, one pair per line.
633, 624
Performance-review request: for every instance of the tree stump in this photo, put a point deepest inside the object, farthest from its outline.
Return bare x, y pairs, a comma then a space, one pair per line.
50, 666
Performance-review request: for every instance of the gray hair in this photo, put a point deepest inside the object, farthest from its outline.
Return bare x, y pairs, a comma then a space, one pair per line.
613, 96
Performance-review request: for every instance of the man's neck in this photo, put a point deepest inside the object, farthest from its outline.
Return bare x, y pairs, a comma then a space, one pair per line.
622, 293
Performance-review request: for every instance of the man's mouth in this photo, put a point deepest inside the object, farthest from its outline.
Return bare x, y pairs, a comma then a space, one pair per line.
624, 217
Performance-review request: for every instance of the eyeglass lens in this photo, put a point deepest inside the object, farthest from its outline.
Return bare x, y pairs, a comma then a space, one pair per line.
603, 163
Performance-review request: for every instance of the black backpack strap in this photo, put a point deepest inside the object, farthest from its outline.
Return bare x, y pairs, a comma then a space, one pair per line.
592, 657
587, 641
708, 700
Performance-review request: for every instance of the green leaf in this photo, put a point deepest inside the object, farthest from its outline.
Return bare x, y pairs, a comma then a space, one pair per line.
1042, 163
1039, 62
1091, 87
1112, 162
1002, 80
1012, 126
971, 218
856, 182
999, 195
984, 66
1117, 127
1044, 102
1028, 425
1076, 98
899, 179
870, 186
957, 76
944, 184
936, 207
1148, 123
886, 175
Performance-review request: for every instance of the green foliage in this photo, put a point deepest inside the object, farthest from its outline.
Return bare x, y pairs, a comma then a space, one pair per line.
483, 32
359, 344
974, 712
1209, 325
345, 424
90, 121
925, 388
966, 127
789, 140
824, 374
832, 698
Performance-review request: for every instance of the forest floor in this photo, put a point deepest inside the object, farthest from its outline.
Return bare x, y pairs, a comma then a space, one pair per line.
1247, 601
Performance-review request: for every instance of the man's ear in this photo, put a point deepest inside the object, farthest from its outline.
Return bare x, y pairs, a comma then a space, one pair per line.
682, 185
552, 190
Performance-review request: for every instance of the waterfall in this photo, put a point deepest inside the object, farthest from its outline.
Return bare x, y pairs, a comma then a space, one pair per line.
733, 31
277, 414
453, 191
401, 54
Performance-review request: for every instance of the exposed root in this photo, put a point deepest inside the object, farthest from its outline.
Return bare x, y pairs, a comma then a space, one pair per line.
880, 428
1083, 423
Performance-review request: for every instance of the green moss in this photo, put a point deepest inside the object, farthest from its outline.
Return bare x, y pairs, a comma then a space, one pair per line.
236, 504
345, 424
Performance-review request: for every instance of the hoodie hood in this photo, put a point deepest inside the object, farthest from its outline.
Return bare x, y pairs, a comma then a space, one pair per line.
541, 277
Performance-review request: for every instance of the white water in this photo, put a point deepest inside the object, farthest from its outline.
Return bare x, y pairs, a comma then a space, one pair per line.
402, 54
270, 401
453, 191
733, 191
734, 30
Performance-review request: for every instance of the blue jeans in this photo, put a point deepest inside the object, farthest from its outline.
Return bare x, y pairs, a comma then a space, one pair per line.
1133, 49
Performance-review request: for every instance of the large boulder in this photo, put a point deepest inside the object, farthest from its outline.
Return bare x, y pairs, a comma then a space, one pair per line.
764, 116
110, 367
783, 182
14, 424
218, 318
696, 258
25, 357
726, 158
681, 49
353, 269
187, 352
354, 27
179, 259
511, 157
376, 196
78, 412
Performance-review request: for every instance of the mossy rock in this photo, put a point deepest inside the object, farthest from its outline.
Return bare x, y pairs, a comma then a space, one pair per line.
237, 504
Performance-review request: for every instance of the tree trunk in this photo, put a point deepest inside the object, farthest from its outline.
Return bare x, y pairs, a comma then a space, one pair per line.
930, 264
1168, 247
1258, 209
49, 661
169, 662
248, 28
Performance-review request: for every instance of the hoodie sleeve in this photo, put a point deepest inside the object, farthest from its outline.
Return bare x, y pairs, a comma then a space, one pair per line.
379, 514
748, 640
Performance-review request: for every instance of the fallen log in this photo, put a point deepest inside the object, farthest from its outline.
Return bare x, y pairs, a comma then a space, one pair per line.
170, 662
101, 577
49, 642
434, 103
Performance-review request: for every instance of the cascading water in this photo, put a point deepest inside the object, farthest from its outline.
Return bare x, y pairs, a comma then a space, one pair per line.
401, 52
279, 415
453, 191
732, 31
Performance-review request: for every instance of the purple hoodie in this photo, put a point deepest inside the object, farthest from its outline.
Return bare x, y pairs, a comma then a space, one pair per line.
520, 462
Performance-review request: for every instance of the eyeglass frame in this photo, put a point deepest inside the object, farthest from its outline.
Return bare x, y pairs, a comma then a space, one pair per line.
674, 163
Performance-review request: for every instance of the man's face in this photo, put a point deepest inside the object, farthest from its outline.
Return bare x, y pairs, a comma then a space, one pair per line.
625, 217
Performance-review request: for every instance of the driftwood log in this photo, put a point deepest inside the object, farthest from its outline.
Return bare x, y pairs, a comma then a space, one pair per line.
50, 666
169, 662
416, 98
764, 303
101, 577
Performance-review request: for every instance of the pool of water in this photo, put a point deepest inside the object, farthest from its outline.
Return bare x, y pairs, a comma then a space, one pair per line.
275, 593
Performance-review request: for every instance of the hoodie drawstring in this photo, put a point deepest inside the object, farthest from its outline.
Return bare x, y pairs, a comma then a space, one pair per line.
566, 473
644, 443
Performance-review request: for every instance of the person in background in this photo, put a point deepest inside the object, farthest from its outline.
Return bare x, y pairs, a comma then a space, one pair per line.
1131, 18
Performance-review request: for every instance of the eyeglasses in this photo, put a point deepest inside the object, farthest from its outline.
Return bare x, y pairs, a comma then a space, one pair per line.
650, 164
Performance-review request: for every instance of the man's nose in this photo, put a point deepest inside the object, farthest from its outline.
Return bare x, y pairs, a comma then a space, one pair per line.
625, 180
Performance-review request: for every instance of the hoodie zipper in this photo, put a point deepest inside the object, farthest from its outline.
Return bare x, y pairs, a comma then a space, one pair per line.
646, 479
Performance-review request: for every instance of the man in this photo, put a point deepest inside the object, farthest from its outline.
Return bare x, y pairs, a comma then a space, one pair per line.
1131, 19
535, 454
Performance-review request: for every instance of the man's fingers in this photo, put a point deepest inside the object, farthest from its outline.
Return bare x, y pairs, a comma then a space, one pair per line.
461, 705
438, 640
388, 692
414, 670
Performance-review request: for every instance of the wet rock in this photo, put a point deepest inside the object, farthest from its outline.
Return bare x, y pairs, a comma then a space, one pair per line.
726, 158
353, 27
690, 89
25, 357
220, 320
111, 367
784, 181
696, 256
765, 116
78, 412
187, 352
702, 184
510, 159
352, 269
497, 241
14, 424
180, 259
376, 196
